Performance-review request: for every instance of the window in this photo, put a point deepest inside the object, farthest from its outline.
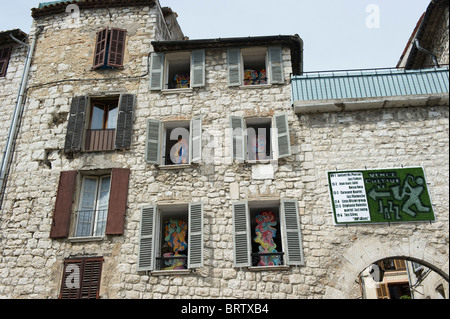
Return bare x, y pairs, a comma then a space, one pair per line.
100, 124
109, 48
93, 206
255, 66
174, 143
178, 70
90, 204
81, 278
259, 139
171, 237
5, 53
266, 234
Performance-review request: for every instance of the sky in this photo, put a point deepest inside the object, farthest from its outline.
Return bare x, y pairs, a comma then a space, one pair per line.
337, 34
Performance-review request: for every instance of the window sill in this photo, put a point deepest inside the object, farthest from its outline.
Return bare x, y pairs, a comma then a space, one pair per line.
171, 272
269, 268
174, 166
256, 86
85, 239
170, 91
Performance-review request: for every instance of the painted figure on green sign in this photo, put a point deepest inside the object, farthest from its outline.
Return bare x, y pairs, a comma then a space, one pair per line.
413, 194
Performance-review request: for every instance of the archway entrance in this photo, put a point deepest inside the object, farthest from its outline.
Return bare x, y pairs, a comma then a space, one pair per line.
403, 278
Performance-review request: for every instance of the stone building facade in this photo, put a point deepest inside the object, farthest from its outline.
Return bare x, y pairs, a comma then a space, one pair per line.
80, 202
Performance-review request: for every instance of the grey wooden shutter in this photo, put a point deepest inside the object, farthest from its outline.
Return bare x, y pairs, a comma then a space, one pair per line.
152, 151
292, 232
198, 68
238, 138
124, 129
5, 54
234, 67
241, 235
100, 48
283, 138
195, 253
196, 139
116, 47
276, 65
146, 238
157, 71
75, 124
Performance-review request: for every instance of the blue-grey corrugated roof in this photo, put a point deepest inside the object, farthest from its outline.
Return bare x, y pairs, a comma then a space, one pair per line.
334, 85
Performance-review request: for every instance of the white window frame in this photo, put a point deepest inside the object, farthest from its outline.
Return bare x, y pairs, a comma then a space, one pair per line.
95, 219
160, 66
238, 137
273, 65
166, 126
151, 236
156, 141
166, 211
291, 237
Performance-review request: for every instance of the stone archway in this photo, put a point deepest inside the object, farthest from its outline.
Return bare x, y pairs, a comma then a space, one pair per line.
366, 251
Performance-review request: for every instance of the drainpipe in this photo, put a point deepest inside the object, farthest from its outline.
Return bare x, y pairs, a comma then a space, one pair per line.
17, 112
416, 42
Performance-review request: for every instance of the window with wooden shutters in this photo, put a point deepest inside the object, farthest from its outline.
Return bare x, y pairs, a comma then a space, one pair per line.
5, 54
171, 237
174, 143
81, 278
255, 66
177, 70
260, 139
266, 234
101, 206
109, 48
100, 124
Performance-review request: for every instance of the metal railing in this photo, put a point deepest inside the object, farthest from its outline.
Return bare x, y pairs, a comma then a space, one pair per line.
171, 263
267, 259
369, 83
91, 222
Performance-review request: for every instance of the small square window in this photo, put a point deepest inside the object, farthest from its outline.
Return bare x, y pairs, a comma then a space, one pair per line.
173, 240
259, 139
178, 71
266, 241
176, 143
255, 66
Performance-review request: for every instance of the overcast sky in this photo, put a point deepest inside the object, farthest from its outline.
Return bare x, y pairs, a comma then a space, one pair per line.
337, 34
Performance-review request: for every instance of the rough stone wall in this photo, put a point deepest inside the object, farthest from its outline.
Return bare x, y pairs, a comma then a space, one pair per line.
9, 88
440, 42
32, 263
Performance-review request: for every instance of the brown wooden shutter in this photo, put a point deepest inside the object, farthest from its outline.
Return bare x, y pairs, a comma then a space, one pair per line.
116, 47
75, 125
118, 195
100, 48
382, 291
81, 278
63, 206
124, 130
4, 60
399, 264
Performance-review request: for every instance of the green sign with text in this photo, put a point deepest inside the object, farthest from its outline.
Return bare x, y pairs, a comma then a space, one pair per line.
380, 196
